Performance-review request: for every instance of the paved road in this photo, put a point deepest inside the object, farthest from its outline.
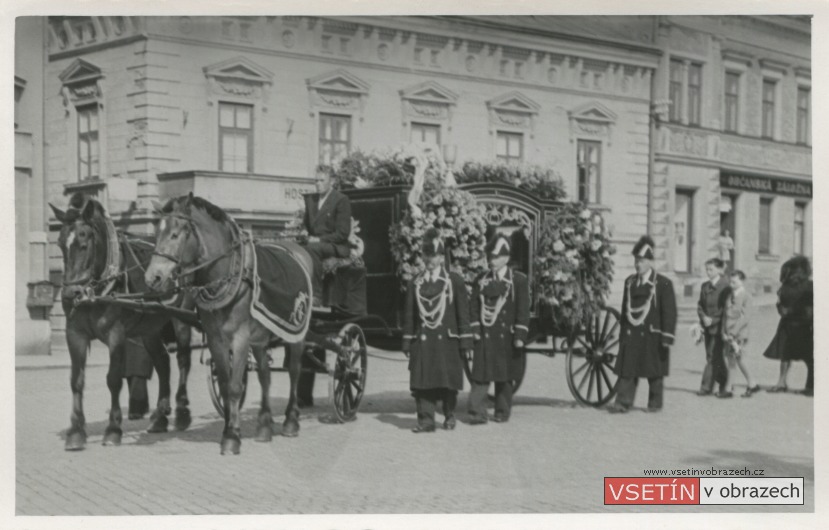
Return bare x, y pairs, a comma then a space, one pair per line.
551, 457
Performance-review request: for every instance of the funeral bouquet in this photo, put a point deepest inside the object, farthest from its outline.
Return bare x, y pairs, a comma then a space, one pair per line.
460, 220
574, 264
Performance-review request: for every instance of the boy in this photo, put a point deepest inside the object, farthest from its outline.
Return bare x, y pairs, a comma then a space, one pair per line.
435, 333
500, 319
712, 297
735, 335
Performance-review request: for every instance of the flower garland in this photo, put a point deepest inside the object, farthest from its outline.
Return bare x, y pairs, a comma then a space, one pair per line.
573, 263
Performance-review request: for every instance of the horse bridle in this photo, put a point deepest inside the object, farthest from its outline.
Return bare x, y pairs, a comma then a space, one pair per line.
191, 229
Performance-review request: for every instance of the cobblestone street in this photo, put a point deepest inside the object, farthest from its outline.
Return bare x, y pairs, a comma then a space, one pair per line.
550, 458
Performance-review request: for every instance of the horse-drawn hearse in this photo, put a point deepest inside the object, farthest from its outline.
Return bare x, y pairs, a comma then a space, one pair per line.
249, 298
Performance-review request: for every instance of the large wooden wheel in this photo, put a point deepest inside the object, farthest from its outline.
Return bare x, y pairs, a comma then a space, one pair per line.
349, 377
215, 391
591, 357
519, 377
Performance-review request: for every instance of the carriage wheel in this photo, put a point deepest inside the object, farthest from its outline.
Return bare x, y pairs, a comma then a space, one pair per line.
591, 357
349, 378
467, 368
215, 391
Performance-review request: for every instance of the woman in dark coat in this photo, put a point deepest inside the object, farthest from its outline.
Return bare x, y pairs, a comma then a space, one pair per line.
794, 340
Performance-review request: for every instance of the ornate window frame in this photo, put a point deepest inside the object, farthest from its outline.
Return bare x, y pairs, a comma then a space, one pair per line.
81, 86
429, 103
238, 81
513, 112
337, 92
592, 121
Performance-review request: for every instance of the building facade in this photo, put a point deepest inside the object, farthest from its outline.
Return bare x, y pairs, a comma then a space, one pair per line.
240, 109
733, 147
33, 293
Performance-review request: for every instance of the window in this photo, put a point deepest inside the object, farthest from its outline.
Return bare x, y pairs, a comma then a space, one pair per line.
694, 93
88, 147
769, 87
588, 157
423, 133
509, 147
675, 90
799, 227
335, 138
732, 101
804, 102
235, 137
764, 246
685, 92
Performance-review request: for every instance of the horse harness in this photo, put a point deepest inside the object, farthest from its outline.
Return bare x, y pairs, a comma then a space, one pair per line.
220, 292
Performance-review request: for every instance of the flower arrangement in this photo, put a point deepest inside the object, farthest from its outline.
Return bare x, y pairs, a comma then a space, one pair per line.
573, 264
460, 220
543, 183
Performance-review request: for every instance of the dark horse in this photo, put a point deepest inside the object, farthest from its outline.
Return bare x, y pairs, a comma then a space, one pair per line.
196, 237
98, 261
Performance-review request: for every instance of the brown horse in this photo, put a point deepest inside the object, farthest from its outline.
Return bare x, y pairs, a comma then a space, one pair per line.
98, 261
196, 237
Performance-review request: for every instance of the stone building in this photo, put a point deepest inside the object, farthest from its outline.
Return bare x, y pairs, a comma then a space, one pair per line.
32, 291
733, 149
240, 109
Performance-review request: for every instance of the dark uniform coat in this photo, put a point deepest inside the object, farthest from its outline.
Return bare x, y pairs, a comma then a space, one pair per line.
495, 356
332, 222
435, 359
643, 351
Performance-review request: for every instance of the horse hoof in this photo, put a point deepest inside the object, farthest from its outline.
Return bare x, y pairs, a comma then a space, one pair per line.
75, 441
290, 429
183, 418
159, 425
231, 445
264, 433
112, 438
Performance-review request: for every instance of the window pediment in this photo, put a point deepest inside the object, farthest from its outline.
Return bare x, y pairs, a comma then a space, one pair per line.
515, 103
240, 69
591, 120
339, 81
430, 92
80, 72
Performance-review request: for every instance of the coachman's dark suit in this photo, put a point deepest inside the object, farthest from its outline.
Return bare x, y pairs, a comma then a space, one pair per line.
331, 223
648, 326
496, 358
435, 363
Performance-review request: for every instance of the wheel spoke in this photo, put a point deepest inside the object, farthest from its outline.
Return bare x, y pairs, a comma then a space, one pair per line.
612, 330
580, 368
596, 330
349, 397
606, 379
612, 344
586, 346
598, 369
357, 386
590, 385
603, 334
584, 378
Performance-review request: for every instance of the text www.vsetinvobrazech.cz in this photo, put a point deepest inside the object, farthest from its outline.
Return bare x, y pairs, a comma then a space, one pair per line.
704, 472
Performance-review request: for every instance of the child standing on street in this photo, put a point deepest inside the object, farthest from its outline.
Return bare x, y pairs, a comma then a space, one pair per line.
735, 335
712, 298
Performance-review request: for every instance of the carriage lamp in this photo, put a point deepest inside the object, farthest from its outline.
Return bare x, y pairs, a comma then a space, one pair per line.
450, 154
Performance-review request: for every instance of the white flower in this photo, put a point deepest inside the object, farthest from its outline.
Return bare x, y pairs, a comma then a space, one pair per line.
558, 246
360, 183
585, 214
568, 230
558, 277
596, 244
570, 253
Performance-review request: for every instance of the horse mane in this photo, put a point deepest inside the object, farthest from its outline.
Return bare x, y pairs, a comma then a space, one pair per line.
202, 204
795, 270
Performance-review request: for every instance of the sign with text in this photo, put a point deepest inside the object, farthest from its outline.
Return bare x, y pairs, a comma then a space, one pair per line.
777, 186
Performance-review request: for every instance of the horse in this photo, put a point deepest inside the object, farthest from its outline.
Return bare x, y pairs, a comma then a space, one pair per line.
196, 237
99, 261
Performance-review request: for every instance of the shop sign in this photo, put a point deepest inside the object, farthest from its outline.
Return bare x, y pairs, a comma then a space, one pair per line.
777, 186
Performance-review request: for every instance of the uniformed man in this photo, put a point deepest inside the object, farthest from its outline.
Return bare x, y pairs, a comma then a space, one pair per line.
648, 325
435, 335
500, 319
